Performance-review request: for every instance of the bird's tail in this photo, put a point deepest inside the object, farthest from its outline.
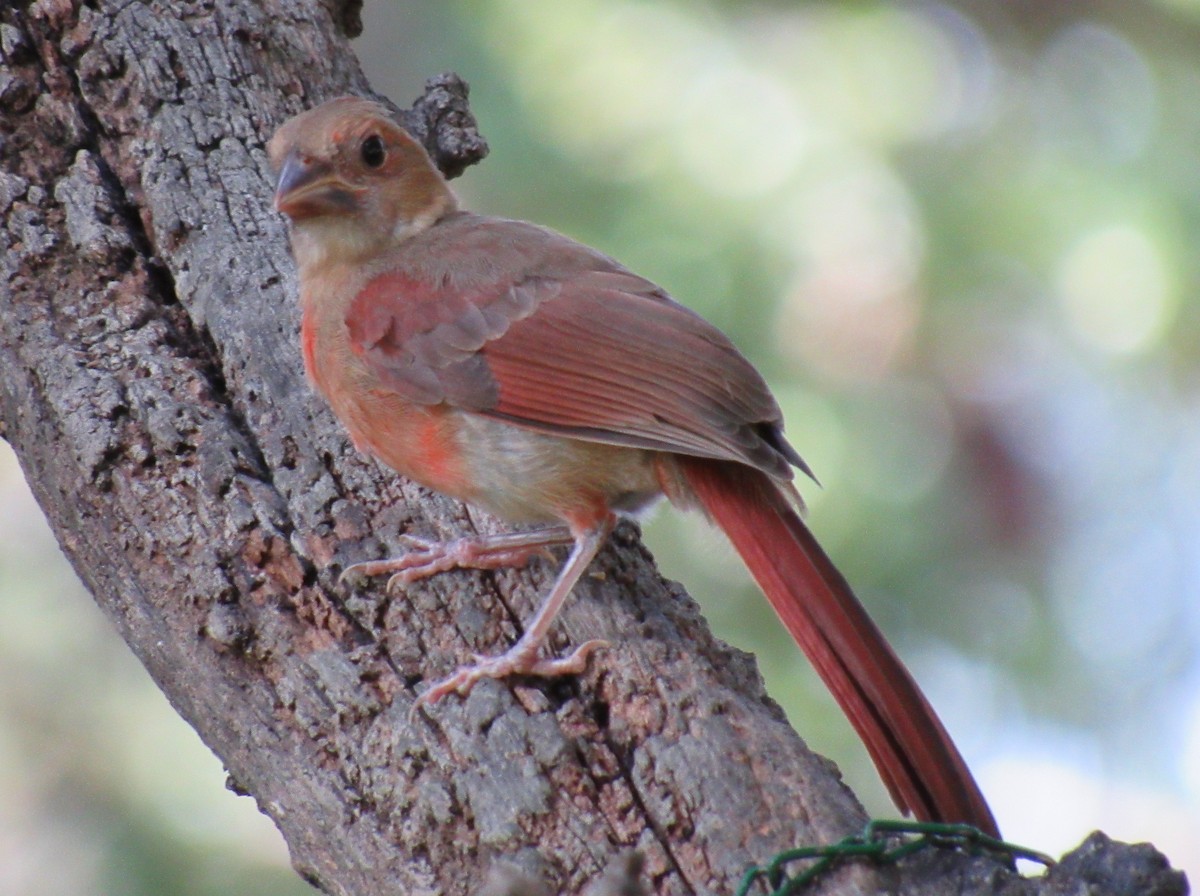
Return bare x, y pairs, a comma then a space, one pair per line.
917, 760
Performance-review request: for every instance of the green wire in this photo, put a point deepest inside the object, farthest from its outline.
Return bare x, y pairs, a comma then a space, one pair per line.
877, 843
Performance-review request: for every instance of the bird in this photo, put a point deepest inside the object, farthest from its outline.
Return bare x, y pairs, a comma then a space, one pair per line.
511, 367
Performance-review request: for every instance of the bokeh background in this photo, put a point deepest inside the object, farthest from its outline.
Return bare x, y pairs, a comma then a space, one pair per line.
959, 238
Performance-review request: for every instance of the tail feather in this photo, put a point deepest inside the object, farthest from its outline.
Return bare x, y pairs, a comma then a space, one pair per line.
916, 758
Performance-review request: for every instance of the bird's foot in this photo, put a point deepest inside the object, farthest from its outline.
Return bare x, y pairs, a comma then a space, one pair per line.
427, 557
518, 661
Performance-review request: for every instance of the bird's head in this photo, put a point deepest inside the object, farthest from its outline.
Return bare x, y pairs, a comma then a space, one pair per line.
353, 181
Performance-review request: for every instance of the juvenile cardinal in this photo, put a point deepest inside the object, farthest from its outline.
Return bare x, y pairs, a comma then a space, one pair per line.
513, 368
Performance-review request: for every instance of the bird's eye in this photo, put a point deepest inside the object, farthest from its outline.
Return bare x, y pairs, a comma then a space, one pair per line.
373, 152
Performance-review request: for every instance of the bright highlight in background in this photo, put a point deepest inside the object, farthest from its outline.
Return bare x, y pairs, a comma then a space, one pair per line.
1115, 290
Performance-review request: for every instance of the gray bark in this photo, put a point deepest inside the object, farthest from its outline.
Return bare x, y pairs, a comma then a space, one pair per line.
151, 386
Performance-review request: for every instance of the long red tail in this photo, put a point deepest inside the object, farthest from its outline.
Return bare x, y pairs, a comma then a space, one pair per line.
917, 760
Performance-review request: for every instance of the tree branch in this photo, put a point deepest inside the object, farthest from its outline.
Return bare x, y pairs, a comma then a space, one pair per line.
151, 386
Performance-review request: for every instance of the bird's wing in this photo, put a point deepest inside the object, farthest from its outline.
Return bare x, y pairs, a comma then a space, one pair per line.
591, 353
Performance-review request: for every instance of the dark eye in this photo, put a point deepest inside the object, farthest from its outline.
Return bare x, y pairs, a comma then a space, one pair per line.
373, 152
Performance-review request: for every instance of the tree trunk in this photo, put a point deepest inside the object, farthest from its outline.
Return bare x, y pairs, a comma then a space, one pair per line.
151, 386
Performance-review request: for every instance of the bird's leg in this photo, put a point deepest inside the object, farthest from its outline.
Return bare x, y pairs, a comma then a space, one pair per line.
427, 557
522, 658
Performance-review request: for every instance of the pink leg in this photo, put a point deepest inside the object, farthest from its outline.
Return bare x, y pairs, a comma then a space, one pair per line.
522, 657
428, 557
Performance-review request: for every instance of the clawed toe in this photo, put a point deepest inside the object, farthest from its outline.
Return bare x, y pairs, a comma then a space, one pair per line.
516, 661
575, 664
362, 570
420, 563
426, 558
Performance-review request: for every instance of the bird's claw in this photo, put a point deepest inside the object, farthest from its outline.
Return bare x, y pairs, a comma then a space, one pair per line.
427, 557
515, 662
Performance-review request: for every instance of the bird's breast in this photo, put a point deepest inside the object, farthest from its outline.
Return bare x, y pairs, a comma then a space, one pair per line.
419, 441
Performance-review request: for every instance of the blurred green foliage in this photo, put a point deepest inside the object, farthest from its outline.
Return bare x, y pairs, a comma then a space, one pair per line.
959, 239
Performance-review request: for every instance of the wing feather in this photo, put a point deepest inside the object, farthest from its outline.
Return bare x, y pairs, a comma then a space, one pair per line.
607, 356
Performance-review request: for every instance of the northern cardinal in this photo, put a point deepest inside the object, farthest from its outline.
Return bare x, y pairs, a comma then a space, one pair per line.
511, 367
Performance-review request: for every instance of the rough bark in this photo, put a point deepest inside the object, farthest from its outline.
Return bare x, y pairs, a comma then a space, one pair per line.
151, 386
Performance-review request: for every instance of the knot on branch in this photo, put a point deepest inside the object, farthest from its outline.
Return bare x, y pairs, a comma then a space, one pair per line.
1104, 867
441, 120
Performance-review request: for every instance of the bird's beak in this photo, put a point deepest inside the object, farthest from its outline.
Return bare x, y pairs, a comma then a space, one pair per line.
308, 188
